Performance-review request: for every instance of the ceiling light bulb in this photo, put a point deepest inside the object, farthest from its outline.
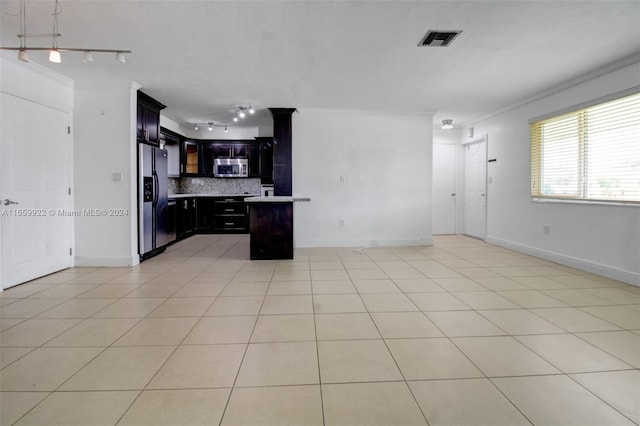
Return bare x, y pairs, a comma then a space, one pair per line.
447, 124
54, 56
120, 59
235, 118
210, 127
23, 56
88, 57
195, 127
241, 114
225, 129
251, 110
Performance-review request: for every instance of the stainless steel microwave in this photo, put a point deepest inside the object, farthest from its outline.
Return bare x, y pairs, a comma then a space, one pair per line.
230, 167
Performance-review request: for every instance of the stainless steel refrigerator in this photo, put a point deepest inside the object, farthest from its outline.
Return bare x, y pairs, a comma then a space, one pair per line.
153, 202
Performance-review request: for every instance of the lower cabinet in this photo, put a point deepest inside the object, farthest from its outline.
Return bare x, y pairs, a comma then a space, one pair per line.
186, 214
219, 215
230, 215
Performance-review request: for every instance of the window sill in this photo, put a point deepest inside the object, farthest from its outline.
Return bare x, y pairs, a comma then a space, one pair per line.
584, 202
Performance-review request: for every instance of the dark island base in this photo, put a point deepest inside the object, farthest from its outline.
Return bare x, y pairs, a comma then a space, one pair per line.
271, 229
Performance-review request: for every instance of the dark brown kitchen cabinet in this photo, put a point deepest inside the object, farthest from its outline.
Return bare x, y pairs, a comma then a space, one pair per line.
186, 216
266, 159
230, 215
254, 160
190, 161
198, 156
148, 119
271, 230
207, 153
230, 150
205, 214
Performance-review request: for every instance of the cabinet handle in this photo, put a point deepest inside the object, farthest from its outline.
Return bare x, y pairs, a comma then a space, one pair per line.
228, 210
228, 223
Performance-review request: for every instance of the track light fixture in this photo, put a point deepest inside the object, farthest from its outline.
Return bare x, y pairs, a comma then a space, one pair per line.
447, 124
241, 112
55, 50
209, 125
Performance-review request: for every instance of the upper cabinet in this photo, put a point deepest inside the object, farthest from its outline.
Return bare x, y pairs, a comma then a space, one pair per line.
199, 155
171, 142
148, 119
190, 158
230, 150
266, 159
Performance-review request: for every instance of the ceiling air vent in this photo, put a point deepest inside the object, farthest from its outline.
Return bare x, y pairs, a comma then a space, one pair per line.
438, 38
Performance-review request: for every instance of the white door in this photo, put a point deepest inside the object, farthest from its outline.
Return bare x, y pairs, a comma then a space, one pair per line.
475, 189
444, 189
35, 164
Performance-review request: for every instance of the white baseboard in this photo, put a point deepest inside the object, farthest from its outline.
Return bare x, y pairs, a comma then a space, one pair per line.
106, 262
365, 243
608, 271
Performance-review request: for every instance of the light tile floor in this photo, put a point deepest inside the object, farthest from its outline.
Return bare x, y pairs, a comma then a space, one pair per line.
461, 333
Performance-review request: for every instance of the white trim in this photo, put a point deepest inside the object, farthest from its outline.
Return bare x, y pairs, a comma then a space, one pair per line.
536, 199
21, 88
583, 105
105, 261
592, 75
625, 276
40, 69
365, 243
394, 112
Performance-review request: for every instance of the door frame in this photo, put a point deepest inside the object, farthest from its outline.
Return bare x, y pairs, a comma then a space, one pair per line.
457, 174
462, 192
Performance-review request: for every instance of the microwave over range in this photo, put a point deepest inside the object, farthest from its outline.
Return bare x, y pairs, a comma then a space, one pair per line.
231, 167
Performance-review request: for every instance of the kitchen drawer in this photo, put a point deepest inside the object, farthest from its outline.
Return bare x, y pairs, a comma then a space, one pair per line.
231, 223
230, 207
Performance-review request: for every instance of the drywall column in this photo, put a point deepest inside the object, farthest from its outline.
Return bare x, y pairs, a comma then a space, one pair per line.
282, 136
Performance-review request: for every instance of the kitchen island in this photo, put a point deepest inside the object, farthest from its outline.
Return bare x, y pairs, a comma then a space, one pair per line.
271, 227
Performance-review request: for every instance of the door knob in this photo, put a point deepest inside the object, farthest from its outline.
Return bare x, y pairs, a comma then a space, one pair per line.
453, 194
7, 201
482, 194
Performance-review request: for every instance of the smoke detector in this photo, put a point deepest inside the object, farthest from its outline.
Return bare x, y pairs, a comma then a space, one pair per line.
438, 38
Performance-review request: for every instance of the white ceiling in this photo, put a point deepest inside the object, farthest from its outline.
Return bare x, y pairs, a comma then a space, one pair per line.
203, 58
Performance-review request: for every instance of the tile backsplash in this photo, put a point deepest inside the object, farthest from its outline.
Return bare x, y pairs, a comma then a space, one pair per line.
195, 185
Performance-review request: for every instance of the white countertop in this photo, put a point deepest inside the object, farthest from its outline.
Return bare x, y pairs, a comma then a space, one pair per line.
276, 199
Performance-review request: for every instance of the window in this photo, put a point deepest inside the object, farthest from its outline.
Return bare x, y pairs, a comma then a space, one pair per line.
590, 154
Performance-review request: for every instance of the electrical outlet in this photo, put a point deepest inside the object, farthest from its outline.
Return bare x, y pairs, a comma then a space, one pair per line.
546, 230
342, 180
341, 223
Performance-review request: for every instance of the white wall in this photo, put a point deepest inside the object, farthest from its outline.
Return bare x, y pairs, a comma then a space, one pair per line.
105, 114
385, 160
604, 239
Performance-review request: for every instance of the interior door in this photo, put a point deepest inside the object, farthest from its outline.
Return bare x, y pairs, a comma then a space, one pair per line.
475, 189
35, 164
444, 189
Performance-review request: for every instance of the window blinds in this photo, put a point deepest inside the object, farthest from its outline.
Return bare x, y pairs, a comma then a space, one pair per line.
589, 154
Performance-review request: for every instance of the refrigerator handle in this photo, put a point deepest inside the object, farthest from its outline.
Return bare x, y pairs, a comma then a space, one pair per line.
156, 189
